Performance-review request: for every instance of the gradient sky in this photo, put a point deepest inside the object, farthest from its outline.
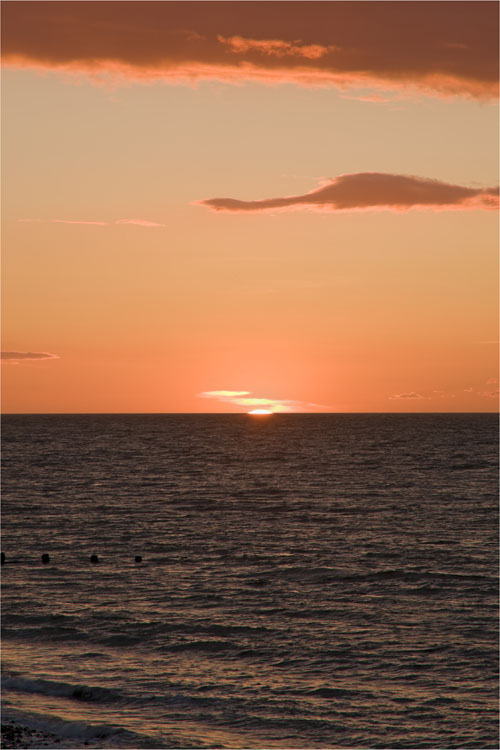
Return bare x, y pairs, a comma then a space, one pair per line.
223, 206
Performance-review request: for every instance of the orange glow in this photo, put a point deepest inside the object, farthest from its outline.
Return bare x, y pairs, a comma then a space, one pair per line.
210, 248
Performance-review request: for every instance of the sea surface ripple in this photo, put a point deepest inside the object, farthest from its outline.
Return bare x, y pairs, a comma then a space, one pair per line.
319, 581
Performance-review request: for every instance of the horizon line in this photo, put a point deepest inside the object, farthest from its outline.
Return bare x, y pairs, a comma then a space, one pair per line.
228, 414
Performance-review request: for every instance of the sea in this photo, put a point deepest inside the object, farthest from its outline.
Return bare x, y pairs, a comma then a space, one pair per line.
307, 580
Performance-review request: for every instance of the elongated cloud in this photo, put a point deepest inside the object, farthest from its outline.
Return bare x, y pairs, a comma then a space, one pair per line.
246, 400
16, 357
443, 47
85, 222
412, 396
70, 221
223, 394
138, 222
368, 191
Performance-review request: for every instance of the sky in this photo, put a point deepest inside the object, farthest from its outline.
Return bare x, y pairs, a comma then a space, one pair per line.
222, 206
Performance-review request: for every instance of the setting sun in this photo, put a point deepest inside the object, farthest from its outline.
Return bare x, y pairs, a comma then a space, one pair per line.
260, 412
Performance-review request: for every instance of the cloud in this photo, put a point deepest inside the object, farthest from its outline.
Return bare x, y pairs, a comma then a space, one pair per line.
411, 396
376, 98
70, 221
15, 358
440, 47
248, 401
487, 394
368, 191
223, 394
276, 47
136, 222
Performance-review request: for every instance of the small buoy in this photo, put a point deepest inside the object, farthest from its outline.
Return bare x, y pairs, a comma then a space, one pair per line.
45, 558
138, 558
94, 559
3, 557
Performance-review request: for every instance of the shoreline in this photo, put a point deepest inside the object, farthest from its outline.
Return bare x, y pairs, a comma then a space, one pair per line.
19, 735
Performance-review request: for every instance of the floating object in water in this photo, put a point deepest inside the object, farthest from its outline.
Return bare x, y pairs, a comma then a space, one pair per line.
3, 557
94, 559
138, 558
45, 558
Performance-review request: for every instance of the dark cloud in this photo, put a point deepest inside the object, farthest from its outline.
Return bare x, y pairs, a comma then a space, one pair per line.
16, 357
371, 190
441, 46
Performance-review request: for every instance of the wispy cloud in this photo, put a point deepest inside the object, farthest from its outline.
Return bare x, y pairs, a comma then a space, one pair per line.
370, 191
440, 394
441, 48
15, 358
223, 394
136, 222
408, 396
71, 221
373, 98
246, 400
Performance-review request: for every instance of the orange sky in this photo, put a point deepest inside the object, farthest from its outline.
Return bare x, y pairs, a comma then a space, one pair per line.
228, 206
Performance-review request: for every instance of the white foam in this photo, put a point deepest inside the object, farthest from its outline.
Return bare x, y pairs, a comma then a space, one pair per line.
74, 732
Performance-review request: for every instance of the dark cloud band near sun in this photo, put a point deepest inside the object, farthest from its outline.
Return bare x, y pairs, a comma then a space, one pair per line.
370, 191
440, 47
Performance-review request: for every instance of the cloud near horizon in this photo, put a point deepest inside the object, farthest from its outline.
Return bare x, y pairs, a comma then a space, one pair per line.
408, 396
245, 399
223, 394
370, 191
442, 47
16, 358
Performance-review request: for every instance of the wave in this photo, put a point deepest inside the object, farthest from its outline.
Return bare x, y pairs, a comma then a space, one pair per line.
208, 646
47, 633
79, 731
326, 692
60, 689
418, 575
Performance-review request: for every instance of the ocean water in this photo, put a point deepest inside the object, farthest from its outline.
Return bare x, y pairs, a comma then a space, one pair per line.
308, 581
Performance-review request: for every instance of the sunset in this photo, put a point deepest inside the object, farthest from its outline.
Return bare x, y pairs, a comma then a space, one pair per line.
250, 316
248, 200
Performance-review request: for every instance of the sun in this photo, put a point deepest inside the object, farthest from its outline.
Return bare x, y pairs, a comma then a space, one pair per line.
260, 412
